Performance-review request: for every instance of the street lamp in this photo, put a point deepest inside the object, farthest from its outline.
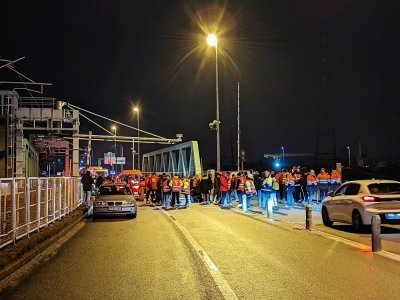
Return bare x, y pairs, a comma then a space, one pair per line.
348, 154
213, 42
283, 156
114, 128
136, 109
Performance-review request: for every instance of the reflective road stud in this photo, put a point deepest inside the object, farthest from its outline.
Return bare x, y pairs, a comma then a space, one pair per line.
376, 233
308, 217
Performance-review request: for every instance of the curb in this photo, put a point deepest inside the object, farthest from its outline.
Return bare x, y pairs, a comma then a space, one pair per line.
13, 267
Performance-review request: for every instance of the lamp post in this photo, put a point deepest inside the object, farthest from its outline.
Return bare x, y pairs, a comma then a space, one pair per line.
213, 42
348, 154
283, 156
114, 128
136, 109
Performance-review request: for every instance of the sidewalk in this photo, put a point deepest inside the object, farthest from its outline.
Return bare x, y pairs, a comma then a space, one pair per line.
295, 214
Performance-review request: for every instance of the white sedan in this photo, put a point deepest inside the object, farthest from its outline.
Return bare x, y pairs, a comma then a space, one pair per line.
355, 202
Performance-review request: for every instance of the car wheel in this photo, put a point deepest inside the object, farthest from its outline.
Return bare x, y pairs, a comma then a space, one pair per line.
325, 217
357, 221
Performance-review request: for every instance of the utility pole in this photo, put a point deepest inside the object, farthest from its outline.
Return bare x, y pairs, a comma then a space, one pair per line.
89, 150
122, 155
238, 131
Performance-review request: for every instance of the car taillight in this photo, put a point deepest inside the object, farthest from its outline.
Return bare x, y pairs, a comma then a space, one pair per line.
135, 186
369, 199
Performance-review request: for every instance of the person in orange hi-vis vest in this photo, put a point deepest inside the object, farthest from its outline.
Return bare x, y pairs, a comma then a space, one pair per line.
176, 186
153, 181
289, 189
336, 180
312, 188
323, 183
281, 179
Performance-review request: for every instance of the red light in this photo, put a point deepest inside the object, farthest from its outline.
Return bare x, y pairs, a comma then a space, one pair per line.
368, 199
132, 181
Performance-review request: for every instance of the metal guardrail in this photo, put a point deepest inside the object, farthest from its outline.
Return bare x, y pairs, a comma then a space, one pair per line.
31, 203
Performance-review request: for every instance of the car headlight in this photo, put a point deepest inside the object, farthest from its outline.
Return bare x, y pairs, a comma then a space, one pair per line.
129, 202
101, 203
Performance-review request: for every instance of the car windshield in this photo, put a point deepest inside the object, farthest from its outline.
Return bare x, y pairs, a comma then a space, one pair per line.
114, 190
384, 188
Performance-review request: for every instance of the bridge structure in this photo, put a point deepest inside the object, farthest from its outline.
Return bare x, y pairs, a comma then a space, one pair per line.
182, 159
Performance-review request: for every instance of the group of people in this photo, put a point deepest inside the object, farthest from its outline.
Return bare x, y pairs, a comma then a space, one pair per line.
166, 190
289, 187
296, 186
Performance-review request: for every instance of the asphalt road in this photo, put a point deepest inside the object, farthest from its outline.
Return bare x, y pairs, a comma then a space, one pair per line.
150, 258
390, 233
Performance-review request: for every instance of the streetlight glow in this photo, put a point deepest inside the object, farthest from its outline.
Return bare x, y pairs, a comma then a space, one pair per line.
136, 109
212, 40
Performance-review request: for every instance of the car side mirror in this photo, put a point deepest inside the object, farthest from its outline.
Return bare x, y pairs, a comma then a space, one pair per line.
330, 194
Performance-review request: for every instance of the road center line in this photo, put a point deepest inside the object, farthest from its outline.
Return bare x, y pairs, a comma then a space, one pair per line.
218, 278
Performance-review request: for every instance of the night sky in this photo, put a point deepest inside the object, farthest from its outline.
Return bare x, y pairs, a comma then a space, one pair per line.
106, 56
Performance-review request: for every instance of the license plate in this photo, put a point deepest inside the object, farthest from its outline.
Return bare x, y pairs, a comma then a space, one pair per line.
395, 216
114, 208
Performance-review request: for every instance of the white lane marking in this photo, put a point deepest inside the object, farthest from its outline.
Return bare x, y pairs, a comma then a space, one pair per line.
341, 240
351, 243
219, 279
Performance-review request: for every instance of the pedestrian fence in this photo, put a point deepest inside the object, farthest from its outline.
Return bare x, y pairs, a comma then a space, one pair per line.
31, 203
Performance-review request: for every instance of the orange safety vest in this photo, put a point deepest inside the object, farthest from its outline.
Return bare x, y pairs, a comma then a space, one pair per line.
336, 178
229, 183
153, 181
242, 181
311, 179
176, 185
147, 183
282, 178
323, 178
289, 180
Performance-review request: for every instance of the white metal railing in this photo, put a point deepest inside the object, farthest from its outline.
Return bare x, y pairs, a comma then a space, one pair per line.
30, 203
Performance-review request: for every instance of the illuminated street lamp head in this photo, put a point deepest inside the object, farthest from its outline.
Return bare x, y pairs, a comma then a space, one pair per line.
136, 109
114, 128
212, 40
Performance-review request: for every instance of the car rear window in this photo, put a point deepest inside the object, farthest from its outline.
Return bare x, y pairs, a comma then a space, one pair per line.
114, 190
384, 188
